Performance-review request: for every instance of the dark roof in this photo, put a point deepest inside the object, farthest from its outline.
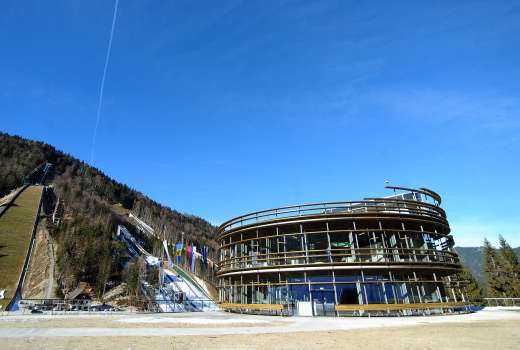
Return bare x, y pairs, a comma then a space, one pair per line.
76, 293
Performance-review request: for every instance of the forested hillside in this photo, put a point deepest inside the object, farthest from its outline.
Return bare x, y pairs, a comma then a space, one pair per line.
473, 259
94, 205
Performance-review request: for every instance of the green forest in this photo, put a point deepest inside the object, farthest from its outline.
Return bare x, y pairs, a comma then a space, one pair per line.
94, 205
501, 268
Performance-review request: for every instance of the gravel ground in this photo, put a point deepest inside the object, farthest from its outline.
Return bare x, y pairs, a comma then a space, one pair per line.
487, 329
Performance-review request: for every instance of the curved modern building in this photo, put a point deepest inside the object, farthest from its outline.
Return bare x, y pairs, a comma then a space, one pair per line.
377, 256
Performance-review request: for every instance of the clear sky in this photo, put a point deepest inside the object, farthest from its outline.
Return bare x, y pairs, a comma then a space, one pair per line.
220, 108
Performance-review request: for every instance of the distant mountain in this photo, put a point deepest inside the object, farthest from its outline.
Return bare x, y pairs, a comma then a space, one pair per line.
472, 258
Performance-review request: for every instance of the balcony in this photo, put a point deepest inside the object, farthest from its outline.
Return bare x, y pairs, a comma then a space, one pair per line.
374, 206
340, 256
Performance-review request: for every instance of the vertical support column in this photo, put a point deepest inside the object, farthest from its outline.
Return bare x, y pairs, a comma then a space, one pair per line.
308, 282
352, 247
439, 295
268, 251
328, 243
406, 242
253, 293
231, 293
235, 254
257, 244
286, 292
284, 250
383, 286
363, 287
242, 257
382, 234
241, 290
303, 237
452, 291
277, 241
417, 287
391, 276
278, 295
383, 289
356, 241
335, 292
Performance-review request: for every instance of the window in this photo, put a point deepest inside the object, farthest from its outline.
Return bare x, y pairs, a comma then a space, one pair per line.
299, 292
373, 293
347, 294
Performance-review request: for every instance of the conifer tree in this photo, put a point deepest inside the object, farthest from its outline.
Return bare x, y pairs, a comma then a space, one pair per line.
511, 269
473, 290
493, 267
132, 279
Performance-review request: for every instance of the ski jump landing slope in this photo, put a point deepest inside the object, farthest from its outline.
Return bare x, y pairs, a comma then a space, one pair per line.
17, 226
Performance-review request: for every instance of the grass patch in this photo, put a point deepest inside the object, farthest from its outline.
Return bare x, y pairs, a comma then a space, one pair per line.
16, 227
120, 210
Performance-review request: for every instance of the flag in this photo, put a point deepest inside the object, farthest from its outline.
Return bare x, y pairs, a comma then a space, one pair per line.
193, 254
205, 256
178, 253
188, 254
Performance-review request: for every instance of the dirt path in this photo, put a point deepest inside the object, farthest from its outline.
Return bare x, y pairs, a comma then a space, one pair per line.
491, 328
40, 279
50, 279
481, 335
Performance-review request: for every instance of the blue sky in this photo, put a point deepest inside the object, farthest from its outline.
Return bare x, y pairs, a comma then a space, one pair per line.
219, 108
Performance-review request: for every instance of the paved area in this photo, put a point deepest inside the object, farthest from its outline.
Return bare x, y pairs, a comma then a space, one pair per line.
217, 323
488, 329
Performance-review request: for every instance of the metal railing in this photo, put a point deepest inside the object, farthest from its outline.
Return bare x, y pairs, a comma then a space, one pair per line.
381, 205
502, 301
133, 305
340, 256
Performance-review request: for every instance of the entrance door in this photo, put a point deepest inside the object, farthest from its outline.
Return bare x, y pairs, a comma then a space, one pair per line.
323, 302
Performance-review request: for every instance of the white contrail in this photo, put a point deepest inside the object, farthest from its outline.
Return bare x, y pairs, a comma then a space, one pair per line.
100, 100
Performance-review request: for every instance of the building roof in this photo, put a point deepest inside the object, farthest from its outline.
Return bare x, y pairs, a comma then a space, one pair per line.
76, 293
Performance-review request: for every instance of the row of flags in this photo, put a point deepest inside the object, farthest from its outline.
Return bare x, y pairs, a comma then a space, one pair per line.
188, 254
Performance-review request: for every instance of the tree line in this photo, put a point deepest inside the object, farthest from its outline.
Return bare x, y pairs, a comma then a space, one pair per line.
502, 272
502, 269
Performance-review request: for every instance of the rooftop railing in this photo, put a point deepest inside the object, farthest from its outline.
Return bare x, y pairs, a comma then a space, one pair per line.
377, 206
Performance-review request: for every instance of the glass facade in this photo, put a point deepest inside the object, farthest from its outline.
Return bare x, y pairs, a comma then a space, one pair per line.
376, 252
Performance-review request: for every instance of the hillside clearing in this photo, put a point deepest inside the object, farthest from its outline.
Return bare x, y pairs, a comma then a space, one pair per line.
16, 227
39, 280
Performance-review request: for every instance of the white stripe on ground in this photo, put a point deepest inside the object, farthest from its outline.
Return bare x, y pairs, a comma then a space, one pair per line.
294, 324
193, 320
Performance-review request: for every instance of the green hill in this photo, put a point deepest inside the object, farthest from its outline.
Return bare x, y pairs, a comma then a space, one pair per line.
94, 204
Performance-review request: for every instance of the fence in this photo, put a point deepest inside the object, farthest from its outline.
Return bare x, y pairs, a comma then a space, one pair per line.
133, 305
502, 301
